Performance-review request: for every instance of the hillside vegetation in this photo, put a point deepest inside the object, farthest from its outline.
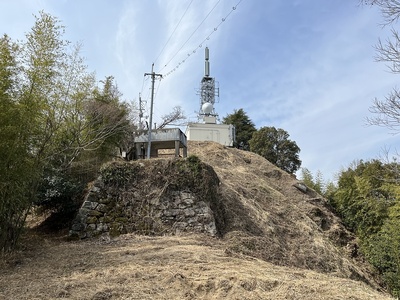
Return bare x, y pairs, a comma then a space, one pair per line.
277, 240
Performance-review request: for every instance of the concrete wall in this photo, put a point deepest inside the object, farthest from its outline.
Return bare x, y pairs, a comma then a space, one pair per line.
220, 133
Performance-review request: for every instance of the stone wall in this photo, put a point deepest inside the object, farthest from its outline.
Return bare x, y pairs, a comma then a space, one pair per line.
149, 197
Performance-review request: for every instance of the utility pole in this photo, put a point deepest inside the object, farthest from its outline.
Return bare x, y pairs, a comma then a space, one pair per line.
140, 112
153, 77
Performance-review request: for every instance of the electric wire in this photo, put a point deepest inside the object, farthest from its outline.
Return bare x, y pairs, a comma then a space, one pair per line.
190, 53
146, 96
201, 43
158, 87
176, 53
143, 83
176, 27
155, 97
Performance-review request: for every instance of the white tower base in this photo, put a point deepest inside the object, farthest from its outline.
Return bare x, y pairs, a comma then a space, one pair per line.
220, 133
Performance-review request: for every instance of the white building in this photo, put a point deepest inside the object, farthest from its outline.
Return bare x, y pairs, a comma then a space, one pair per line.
220, 133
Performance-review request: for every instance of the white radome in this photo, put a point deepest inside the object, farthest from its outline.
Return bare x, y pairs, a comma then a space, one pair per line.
207, 108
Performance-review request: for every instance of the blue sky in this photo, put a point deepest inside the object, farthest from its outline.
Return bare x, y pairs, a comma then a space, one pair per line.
306, 66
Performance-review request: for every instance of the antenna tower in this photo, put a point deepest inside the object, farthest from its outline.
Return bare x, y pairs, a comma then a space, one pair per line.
208, 91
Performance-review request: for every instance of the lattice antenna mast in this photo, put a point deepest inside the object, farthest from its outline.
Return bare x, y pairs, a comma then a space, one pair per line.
141, 109
209, 90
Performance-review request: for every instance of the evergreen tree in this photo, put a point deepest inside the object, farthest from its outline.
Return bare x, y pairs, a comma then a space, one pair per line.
244, 127
274, 145
382, 250
364, 196
368, 199
316, 183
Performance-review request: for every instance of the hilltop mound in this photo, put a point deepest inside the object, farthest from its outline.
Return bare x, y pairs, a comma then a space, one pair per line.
272, 216
227, 225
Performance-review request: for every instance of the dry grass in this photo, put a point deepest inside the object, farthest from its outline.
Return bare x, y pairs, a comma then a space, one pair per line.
270, 219
277, 243
180, 267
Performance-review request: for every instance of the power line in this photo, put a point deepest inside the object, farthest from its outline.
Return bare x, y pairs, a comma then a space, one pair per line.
189, 54
157, 89
176, 53
144, 80
146, 95
201, 43
177, 25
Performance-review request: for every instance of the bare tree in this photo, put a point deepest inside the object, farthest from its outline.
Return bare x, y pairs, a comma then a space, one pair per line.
387, 111
176, 115
390, 9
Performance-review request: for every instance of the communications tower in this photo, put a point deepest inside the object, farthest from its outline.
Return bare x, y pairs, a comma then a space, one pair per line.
208, 129
209, 92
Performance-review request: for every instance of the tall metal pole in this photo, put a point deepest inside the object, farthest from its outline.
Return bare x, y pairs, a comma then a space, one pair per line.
140, 112
153, 76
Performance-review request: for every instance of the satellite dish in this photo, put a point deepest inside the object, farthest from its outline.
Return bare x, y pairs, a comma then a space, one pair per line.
207, 108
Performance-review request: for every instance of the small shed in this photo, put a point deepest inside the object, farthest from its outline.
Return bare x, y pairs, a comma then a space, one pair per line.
168, 138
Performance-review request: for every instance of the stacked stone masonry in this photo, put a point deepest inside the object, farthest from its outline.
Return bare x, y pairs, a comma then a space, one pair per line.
107, 211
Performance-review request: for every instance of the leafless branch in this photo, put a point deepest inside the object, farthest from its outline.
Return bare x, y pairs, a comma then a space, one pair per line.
176, 115
390, 9
387, 112
390, 52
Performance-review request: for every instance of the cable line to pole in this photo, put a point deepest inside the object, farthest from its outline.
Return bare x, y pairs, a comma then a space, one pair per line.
201, 43
176, 27
176, 53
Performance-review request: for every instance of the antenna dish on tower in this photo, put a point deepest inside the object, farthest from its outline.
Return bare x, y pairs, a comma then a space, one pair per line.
207, 108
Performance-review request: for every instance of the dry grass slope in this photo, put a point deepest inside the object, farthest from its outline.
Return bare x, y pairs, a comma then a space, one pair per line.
184, 267
277, 243
270, 219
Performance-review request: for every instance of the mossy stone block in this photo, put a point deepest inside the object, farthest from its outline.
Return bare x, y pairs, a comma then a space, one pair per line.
91, 220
